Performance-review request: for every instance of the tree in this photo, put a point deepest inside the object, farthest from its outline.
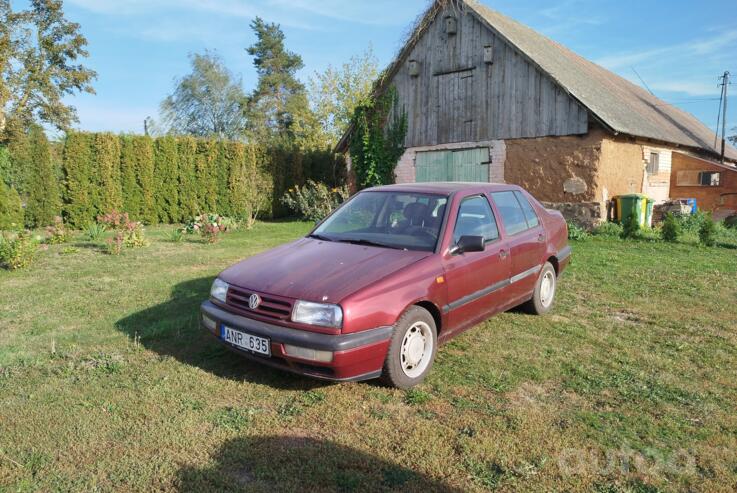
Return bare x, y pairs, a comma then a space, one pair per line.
44, 203
11, 209
206, 103
107, 161
278, 107
79, 208
166, 180
39, 65
733, 138
337, 92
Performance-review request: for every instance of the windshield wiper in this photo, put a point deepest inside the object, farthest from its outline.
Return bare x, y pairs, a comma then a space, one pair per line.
320, 237
369, 243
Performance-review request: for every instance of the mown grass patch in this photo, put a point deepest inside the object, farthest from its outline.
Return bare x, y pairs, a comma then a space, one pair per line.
108, 383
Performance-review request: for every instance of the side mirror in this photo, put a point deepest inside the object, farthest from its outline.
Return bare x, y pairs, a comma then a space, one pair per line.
468, 244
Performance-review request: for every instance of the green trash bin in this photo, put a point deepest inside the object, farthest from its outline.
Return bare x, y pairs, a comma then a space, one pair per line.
634, 202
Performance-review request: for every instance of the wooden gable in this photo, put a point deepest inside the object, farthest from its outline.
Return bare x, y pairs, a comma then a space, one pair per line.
462, 82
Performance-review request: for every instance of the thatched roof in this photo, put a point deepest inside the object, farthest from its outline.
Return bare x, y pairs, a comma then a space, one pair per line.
621, 105
618, 104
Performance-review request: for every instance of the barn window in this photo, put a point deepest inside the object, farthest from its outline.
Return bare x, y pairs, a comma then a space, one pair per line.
414, 68
451, 25
488, 54
710, 179
653, 167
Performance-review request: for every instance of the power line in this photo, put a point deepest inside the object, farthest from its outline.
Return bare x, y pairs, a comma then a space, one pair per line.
686, 101
643, 81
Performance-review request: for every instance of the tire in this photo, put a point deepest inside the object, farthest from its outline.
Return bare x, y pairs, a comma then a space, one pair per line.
543, 298
412, 350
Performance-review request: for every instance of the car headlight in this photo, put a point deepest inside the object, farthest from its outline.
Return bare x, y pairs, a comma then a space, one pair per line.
321, 314
219, 290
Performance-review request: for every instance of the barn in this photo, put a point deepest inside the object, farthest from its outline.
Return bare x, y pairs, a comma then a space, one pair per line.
489, 99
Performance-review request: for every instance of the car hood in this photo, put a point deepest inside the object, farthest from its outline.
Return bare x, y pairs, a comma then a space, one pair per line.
314, 270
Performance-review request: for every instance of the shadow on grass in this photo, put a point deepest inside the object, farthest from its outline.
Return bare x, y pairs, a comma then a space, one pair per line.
172, 329
287, 463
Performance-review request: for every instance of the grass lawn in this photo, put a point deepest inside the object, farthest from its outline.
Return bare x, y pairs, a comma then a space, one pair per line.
107, 383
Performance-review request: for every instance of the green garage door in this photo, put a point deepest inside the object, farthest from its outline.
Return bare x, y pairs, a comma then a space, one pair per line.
461, 165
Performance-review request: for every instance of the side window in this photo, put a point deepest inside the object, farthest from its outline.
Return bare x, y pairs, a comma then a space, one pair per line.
511, 211
475, 218
530, 214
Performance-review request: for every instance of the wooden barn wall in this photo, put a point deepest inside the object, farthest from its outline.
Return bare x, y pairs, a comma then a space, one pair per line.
457, 97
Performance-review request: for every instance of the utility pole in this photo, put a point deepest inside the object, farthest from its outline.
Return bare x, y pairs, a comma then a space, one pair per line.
725, 84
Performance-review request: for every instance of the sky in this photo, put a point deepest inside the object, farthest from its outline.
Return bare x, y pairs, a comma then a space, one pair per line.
140, 47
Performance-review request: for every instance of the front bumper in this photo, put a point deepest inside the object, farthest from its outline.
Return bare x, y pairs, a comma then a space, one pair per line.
358, 356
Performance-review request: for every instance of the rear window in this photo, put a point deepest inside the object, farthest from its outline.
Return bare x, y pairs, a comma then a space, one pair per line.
511, 211
529, 211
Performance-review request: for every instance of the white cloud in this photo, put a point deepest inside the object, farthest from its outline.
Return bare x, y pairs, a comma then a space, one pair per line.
289, 13
688, 68
567, 15
667, 54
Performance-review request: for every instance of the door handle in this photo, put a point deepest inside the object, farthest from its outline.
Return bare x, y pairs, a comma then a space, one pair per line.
503, 254
541, 238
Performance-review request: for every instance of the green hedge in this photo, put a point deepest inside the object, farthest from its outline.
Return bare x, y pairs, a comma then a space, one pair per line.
168, 179
164, 180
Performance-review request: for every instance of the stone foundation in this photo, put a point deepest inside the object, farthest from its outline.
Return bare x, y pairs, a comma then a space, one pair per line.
586, 215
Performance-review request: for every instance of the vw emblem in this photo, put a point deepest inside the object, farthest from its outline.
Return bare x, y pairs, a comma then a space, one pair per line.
254, 301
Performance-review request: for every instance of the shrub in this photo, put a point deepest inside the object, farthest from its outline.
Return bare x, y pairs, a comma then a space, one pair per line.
248, 187
166, 180
17, 251
109, 193
114, 246
188, 204
314, 201
57, 233
95, 231
692, 223
176, 236
708, 232
671, 230
79, 207
209, 226
129, 233
11, 208
631, 227
575, 232
134, 235
44, 202
608, 230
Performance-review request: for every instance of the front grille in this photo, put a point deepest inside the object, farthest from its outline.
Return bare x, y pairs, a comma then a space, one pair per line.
270, 306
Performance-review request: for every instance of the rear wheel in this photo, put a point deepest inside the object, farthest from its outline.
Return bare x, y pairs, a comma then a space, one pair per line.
545, 289
412, 349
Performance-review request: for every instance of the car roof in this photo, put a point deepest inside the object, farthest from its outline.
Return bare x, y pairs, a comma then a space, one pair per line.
445, 188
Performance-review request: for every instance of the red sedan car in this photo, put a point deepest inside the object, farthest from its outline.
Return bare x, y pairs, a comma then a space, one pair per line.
389, 276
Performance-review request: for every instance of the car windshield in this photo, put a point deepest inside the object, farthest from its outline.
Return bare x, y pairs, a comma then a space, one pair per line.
403, 220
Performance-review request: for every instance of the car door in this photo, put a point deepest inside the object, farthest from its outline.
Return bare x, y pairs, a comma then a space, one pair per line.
475, 280
525, 238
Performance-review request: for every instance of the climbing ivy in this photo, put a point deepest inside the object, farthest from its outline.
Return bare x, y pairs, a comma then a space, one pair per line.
377, 141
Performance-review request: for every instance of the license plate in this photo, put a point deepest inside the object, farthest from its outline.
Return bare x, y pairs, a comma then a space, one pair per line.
243, 340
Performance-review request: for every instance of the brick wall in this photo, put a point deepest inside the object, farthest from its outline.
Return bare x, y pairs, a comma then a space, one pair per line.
721, 200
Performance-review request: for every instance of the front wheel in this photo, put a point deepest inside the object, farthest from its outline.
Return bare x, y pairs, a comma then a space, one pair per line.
544, 294
412, 349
